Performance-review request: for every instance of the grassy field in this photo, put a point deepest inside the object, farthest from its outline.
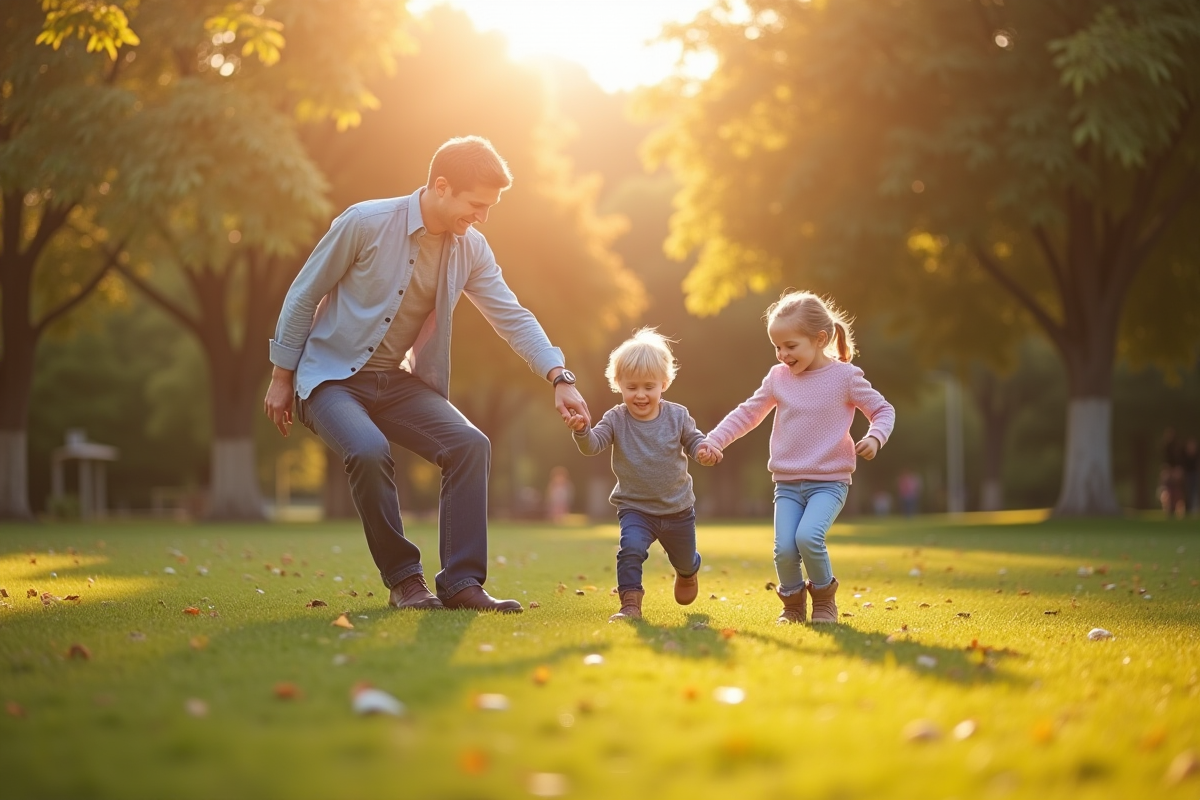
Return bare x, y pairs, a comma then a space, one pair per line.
124, 693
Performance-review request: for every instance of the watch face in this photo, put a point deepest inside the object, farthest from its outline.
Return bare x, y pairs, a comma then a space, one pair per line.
568, 376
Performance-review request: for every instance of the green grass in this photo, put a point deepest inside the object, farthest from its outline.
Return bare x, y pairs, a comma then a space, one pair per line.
825, 710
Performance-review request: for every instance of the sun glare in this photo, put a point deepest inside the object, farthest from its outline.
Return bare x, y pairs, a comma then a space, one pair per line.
612, 39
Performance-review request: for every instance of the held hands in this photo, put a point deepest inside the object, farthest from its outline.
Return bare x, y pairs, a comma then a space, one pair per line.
577, 423
280, 396
569, 401
708, 454
867, 447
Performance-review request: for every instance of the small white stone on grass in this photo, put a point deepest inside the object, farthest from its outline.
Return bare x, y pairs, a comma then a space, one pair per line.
547, 784
491, 702
486, 648
196, 707
376, 701
1099, 634
929, 662
593, 659
729, 695
914, 572
169, 570
965, 729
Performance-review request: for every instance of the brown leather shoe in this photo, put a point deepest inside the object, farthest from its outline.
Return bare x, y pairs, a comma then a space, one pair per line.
825, 608
686, 589
795, 606
475, 597
631, 606
413, 593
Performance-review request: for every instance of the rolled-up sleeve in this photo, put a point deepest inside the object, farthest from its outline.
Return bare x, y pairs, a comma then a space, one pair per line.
329, 261
513, 322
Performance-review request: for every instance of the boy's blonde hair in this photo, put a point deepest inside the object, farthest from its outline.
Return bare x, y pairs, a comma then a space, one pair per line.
646, 354
811, 315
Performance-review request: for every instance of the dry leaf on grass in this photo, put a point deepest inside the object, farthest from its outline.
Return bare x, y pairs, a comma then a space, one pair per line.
79, 651
535, 604
541, 675
72, 597
3, 592
473, 761
192, 611
316, 604
342, 622
1042, 731
921, 730
14, 709
286, 690
198, 642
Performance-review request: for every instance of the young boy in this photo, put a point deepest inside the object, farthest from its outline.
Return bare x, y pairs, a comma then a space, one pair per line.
651, 440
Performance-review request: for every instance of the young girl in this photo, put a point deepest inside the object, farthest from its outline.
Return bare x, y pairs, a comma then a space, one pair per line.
651, 440
814, 391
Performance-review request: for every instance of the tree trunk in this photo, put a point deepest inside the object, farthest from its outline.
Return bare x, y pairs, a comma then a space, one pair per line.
993, 408
233, 487
1087, 488
16, 378
336, 496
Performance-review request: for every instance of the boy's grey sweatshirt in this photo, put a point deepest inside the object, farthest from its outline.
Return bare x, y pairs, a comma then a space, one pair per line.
649, 457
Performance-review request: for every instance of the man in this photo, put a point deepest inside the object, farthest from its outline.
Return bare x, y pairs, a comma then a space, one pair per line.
362, 350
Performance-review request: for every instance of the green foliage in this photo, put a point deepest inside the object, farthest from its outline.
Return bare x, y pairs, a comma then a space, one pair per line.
105, 25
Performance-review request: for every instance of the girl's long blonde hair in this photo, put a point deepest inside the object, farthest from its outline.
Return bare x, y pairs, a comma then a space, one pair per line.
812, 315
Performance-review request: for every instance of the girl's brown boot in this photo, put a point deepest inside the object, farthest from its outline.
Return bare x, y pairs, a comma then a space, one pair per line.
631, 606
795, 606
824, 603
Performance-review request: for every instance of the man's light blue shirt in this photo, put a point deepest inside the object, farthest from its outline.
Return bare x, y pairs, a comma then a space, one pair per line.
346, 295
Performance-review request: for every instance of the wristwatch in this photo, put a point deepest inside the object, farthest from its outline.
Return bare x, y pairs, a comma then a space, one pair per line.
566, 376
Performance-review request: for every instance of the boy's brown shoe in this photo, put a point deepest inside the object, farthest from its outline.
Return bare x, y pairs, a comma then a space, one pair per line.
795, 606
631, 606
686, 589
825, 608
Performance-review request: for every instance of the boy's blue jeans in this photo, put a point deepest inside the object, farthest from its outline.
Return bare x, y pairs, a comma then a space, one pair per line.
675, 532
804, 512
357, 417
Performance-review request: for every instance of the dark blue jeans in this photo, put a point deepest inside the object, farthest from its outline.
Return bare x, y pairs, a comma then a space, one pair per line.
357, 417
675, 532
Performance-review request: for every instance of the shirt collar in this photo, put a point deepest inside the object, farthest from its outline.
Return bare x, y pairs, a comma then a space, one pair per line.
415, 222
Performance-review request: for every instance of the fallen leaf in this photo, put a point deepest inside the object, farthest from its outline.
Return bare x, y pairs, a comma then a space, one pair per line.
847, 614
14, 709
72, 597
770, 587
49, 599
287, 690
1050, 612
342, 622
79, 651
473, 762
1042, 731
198, 642
3, 592
137, 636
535, 604
690, 693
192, 611
562, 587
728, 633
920, 730
286, 559
1153, 738
196, 707
1182, 766
541, 675
491, 702
964, 614
923, 605
316, 604
579, 591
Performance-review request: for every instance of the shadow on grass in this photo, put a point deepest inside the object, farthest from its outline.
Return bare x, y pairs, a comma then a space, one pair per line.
695, 638
967, 665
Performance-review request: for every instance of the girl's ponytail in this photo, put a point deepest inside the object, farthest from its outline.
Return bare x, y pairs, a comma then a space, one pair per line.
843, 339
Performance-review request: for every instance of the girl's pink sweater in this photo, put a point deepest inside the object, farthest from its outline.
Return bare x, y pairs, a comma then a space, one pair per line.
810, 440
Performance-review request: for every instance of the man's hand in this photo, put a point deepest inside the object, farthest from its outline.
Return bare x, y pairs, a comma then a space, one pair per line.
577, 423
868, 447
709, 454
568, 400
280, 397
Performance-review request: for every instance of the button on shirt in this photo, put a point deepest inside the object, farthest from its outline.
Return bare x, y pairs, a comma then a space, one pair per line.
416, 306
343, 301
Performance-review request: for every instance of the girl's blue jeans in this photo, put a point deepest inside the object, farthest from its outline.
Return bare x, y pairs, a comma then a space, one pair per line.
804, 512
675, 532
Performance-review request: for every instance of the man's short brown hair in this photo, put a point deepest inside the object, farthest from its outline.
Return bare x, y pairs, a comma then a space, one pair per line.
467, 162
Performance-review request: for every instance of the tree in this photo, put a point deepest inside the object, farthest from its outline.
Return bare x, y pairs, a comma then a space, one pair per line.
229, 192
1051, 145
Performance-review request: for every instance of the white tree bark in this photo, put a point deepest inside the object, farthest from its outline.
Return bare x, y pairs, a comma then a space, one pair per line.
1087, 487
233, 492
992, 498
14, 476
